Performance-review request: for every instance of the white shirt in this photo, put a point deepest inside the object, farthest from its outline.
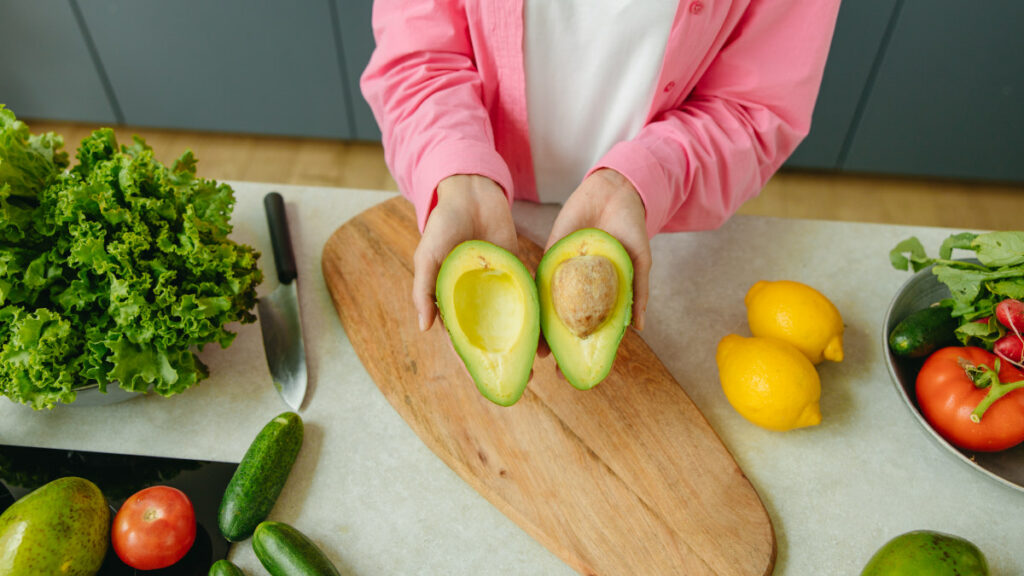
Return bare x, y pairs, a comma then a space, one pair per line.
608, 51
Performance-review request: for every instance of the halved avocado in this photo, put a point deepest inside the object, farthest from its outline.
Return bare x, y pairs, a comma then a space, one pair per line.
489, 305
585, 284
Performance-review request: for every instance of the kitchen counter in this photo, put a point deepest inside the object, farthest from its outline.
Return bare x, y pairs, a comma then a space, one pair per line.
379, 502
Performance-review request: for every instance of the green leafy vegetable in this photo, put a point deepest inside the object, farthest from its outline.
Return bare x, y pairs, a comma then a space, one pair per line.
114, 271
975, 287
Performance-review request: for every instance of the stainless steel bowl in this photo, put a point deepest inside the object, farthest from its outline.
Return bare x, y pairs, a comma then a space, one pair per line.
92, 396
919, 292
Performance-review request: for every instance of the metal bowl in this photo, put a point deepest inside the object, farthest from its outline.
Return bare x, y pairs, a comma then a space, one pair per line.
919, 292
93, 396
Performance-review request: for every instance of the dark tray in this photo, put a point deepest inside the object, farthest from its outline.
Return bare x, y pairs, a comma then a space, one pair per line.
23, 469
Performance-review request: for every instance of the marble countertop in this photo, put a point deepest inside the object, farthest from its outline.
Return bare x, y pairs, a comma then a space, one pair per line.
379, 502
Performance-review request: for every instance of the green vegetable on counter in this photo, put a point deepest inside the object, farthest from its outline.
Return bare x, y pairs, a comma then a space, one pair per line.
114, 271
261, 475
285, 551
224, 568
975, 287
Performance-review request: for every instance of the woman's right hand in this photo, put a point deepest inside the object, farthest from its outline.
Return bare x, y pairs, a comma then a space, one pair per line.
469, 207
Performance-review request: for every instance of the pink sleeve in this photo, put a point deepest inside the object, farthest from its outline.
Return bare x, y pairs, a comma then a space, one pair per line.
425, 93
695, 165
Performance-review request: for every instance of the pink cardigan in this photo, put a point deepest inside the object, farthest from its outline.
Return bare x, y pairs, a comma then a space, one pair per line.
735, 94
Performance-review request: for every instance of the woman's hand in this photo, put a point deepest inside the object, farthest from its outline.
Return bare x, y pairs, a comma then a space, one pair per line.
469, 207
607, 200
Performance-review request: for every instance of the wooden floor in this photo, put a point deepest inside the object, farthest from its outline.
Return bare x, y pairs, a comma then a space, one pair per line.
792, 194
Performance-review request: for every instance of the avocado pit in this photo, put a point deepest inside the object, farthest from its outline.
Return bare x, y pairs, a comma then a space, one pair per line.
583, 291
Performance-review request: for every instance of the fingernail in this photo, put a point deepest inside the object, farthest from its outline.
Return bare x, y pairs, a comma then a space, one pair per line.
423, 323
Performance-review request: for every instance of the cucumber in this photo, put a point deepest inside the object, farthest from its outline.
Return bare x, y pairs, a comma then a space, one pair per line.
260, 476
225, 568
923, 332
284, 551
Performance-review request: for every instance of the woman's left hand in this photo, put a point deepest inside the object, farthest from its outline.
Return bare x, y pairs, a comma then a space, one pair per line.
608, 201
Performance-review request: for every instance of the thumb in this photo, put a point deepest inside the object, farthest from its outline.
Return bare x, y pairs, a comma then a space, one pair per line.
567, 222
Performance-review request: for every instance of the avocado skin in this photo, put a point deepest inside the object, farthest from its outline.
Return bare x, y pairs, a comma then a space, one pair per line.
927, 552
63, 527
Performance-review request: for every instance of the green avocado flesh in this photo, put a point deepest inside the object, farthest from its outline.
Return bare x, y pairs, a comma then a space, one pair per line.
488, 303
585, 356
60, 528
927, 552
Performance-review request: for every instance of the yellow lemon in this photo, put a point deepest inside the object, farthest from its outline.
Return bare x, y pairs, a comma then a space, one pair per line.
769, 382
798, 314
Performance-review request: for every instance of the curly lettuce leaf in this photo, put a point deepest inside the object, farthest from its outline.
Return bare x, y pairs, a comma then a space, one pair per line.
28, 163
128, 261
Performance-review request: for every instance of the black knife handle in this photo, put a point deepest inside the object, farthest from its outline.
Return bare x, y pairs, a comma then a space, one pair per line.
280, 238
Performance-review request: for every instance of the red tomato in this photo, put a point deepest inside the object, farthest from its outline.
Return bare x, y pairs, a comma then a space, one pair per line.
947, 396
154, 528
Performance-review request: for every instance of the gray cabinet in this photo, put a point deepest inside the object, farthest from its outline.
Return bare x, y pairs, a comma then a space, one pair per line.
46, 68
911, 87
356, 34
856, 44
261, 66
948, 96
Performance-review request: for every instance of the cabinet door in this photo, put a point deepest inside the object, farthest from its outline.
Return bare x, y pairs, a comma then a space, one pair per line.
355, 24
856, 42
948, 98
257, 66
46, 70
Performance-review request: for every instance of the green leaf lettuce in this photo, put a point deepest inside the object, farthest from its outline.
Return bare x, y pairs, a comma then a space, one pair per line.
117, 270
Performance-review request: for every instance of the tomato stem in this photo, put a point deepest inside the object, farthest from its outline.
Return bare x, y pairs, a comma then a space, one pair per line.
996, 390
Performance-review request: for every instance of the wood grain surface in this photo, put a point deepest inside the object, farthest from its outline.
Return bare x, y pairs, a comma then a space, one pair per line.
627, 478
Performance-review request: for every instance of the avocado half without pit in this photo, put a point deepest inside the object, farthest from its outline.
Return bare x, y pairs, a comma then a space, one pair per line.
489, 305
585, 285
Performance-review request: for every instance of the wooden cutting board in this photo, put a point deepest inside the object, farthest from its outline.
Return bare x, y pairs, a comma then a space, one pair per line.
627, 478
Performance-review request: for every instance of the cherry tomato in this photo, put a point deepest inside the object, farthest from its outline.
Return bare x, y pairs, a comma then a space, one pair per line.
154, 528
948, 396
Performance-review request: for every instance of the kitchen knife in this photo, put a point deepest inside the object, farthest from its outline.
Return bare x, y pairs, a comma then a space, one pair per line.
279, 312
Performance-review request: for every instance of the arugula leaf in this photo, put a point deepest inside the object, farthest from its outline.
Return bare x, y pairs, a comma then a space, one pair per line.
1008, 288
962, 240
998, 249
975, 288
114, 271
915, 255
967, 285
982, 334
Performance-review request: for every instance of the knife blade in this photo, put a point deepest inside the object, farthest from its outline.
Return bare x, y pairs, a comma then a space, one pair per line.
280, 321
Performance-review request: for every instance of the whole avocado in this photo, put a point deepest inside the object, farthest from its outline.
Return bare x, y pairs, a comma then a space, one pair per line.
62, 527
927, 552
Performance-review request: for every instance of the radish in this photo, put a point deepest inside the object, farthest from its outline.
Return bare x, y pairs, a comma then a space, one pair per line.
1010, 313
1010, 347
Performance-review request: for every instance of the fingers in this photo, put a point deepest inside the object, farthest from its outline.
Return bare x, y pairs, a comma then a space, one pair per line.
468, 207
569, 220
426, 264
504, 235
641, 286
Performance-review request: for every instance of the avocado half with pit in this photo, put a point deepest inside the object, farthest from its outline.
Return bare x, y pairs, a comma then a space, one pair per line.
488, 303
585, 284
